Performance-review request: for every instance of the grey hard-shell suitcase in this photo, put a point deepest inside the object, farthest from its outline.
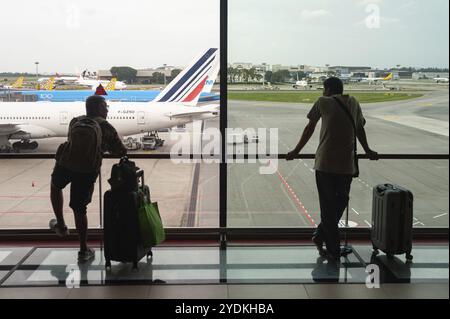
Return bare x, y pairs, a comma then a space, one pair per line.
392, 219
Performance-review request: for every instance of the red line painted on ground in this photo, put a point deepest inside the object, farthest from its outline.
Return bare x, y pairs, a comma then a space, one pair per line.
22, 196
297, 201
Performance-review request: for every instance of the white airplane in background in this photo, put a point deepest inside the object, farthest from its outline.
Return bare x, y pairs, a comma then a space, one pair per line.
93, 84
60, 79
175, 105
300, 83
441, 80
389, 77
16, 85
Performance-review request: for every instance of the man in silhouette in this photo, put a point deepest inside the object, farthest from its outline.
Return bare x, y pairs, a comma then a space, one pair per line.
78, 162
335, 161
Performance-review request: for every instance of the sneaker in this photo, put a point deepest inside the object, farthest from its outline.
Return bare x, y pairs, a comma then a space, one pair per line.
84, 256
61, 231
319, 245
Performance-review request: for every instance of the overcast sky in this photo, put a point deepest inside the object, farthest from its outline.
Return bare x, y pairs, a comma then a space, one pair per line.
66, 35
340, 32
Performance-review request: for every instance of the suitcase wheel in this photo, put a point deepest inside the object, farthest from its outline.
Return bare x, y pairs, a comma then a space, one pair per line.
149, 254
409, 257
108, 265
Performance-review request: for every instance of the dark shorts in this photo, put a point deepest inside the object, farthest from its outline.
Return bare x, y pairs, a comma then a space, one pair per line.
81, 186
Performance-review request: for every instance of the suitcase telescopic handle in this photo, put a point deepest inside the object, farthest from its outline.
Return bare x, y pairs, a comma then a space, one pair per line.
382, 188
140, 176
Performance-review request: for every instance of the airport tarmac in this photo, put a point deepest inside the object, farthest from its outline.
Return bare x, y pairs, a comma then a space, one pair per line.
289, 197
188, 194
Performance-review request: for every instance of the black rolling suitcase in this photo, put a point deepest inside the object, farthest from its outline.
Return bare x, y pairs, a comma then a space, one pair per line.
392, 219
122, 238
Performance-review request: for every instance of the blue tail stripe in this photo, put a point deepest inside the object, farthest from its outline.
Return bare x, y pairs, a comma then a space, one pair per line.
192, 84
195, 78
196, 66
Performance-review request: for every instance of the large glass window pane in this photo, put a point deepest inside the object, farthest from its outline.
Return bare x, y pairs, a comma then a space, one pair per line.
288, 197
73, 46
187, 194
392, 56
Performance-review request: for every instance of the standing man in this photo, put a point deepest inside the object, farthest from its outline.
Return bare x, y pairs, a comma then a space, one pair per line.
78, 161
335, 162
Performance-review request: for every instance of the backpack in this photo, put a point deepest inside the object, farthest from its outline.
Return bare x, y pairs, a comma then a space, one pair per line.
123, 176
83, 150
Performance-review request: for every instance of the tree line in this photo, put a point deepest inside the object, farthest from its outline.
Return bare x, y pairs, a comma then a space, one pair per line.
129, 75
238, 75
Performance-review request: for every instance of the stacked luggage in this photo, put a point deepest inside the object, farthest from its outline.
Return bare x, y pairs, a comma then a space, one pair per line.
392, 220
125, 238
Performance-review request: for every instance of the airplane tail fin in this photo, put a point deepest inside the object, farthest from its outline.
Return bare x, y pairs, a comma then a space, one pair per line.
212, 76
188, 85
100, 90
389, 77
50, 84
111, 85
19, 83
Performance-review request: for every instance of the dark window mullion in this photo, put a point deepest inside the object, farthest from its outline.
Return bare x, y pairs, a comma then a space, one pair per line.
223, 111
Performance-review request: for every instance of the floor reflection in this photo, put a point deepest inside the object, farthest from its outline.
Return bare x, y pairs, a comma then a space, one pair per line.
203, 265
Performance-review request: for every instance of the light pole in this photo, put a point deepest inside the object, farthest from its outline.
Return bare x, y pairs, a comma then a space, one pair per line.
37, 69
37, 73
398, 70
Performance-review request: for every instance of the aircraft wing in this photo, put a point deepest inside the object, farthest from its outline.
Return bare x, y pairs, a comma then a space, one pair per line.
192, 113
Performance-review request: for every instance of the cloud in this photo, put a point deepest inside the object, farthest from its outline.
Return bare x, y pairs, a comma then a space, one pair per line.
383, 21
367, 2
314, 14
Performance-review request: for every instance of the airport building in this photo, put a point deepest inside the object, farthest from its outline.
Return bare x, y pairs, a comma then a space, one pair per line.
349, 69
143, 76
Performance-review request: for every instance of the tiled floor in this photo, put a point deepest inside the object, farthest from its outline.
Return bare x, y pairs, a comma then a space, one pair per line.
316, 291
240, 272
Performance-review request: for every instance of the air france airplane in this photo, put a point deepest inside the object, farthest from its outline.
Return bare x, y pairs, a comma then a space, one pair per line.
175, 105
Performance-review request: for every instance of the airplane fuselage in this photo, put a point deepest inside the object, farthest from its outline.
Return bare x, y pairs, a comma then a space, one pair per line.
41, 120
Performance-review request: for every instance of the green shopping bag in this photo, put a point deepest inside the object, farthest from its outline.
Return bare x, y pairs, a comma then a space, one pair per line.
152, 229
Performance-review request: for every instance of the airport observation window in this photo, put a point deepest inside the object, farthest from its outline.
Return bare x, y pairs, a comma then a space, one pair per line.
404, 116
182, 190
274, 77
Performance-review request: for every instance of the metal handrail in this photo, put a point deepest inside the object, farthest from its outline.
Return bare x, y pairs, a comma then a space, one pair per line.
232, 156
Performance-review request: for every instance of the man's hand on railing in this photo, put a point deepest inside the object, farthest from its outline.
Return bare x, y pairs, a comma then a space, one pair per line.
291, 155
373, 156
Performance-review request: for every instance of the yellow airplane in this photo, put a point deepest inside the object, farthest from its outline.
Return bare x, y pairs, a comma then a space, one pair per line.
389, 77
16, 85
48, 86
111, 85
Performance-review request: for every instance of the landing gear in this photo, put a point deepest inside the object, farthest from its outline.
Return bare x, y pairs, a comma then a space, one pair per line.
7, 149
25, 145
5, 146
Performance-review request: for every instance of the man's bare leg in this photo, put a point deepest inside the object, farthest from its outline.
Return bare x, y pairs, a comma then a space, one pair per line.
81, 222
57, 199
